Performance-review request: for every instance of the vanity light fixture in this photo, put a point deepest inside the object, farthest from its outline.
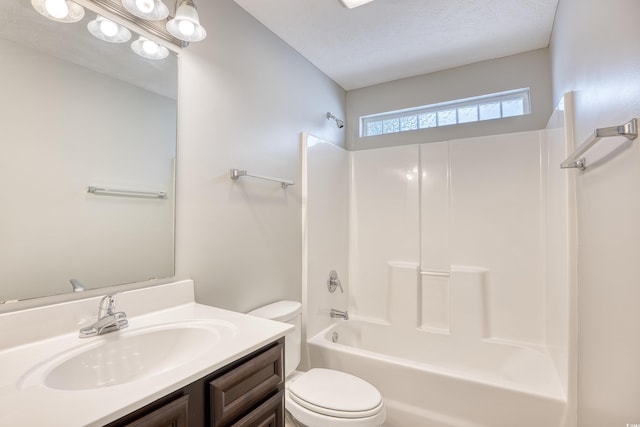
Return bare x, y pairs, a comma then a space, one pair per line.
149, 49
108, 31
118, 20
153, 10
186, 24
59, 10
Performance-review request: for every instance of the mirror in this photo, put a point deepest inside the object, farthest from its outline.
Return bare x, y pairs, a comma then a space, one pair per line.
78, 112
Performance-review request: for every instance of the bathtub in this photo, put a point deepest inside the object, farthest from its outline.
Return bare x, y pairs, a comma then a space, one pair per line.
434, 380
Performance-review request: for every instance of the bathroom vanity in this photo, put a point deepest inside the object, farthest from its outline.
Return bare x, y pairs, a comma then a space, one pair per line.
178, 363
247, 392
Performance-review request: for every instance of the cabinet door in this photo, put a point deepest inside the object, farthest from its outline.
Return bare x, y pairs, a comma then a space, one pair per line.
173, 414
242, 389
269, 414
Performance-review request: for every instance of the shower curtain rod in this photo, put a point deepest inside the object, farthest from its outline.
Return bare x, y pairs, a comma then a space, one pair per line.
237, 173
629, 129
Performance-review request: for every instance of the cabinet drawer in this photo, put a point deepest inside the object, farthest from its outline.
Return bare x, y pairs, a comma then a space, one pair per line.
173, 414
269, 414
243, 388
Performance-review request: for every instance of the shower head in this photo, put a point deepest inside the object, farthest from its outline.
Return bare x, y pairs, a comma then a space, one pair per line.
339, 122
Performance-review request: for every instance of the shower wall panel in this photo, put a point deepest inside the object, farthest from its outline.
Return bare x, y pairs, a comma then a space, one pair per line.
474, 202
325, 229
496, 222
384, 224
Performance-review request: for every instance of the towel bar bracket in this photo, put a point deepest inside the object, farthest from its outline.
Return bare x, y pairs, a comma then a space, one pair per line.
628, 130
578, 164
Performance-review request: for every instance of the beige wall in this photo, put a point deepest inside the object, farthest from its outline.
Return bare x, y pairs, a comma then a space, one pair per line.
594, 53
530, 69
245, 97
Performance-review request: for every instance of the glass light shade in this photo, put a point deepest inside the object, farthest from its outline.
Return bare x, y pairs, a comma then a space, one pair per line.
59, 10
149, 49
186, 24
108, 31
153, 10
354, 3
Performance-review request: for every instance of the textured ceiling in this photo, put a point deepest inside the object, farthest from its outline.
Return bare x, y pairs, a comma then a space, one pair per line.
391, 39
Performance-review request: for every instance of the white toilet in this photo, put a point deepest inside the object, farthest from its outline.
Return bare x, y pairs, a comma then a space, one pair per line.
322, 397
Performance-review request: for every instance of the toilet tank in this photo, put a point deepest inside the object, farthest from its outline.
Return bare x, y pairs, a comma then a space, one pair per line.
288, 312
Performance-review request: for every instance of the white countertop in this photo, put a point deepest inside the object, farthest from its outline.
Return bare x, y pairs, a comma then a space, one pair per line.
31, 403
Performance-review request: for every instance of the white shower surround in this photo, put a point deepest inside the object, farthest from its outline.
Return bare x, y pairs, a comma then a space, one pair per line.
494, 274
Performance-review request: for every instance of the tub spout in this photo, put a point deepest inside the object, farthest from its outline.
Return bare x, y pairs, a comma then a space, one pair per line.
339, 314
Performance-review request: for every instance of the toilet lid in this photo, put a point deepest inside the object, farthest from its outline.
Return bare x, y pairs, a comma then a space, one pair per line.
335, 393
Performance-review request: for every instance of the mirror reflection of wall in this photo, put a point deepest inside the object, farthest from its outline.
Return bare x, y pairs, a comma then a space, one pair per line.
65, 127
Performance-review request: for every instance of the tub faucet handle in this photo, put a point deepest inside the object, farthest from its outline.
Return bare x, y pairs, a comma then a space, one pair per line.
334, 282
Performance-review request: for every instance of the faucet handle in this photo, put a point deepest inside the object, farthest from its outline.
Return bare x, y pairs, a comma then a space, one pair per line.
107, 306
334, 282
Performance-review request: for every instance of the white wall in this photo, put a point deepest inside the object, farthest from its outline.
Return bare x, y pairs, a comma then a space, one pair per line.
65, 127
530, 69
593, 53
245, 97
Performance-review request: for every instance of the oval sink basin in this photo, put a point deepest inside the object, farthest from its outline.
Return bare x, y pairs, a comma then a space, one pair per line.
129, 355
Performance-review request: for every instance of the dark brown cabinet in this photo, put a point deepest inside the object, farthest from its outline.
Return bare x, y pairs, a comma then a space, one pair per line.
246, 393
172, 414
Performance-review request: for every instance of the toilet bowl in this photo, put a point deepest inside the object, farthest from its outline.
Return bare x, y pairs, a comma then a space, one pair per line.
322, 397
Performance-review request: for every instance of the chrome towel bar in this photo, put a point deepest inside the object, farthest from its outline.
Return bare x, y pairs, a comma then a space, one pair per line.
237, 173
127, 193
629, 130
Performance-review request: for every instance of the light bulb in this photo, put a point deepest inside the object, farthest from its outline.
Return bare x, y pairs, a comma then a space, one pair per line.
186, 23
145, 6
108, 28
150, 47
186, 27
59, 9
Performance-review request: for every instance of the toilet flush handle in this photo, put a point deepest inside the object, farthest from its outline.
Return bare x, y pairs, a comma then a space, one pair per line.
334, 282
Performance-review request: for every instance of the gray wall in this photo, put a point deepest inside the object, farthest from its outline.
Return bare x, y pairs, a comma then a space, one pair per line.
530, 69
595, 53
245, 97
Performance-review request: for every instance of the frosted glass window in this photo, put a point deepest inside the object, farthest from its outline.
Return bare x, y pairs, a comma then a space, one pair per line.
447, 117
374, 128
468, 114
408, 123
427, 120
391, 125
490, 111
512, 107
487, 107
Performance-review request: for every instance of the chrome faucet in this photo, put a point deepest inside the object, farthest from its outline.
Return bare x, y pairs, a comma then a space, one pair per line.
339, 314
108, 319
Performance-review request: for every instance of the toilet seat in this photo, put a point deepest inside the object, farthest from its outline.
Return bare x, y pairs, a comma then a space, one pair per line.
335, 394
